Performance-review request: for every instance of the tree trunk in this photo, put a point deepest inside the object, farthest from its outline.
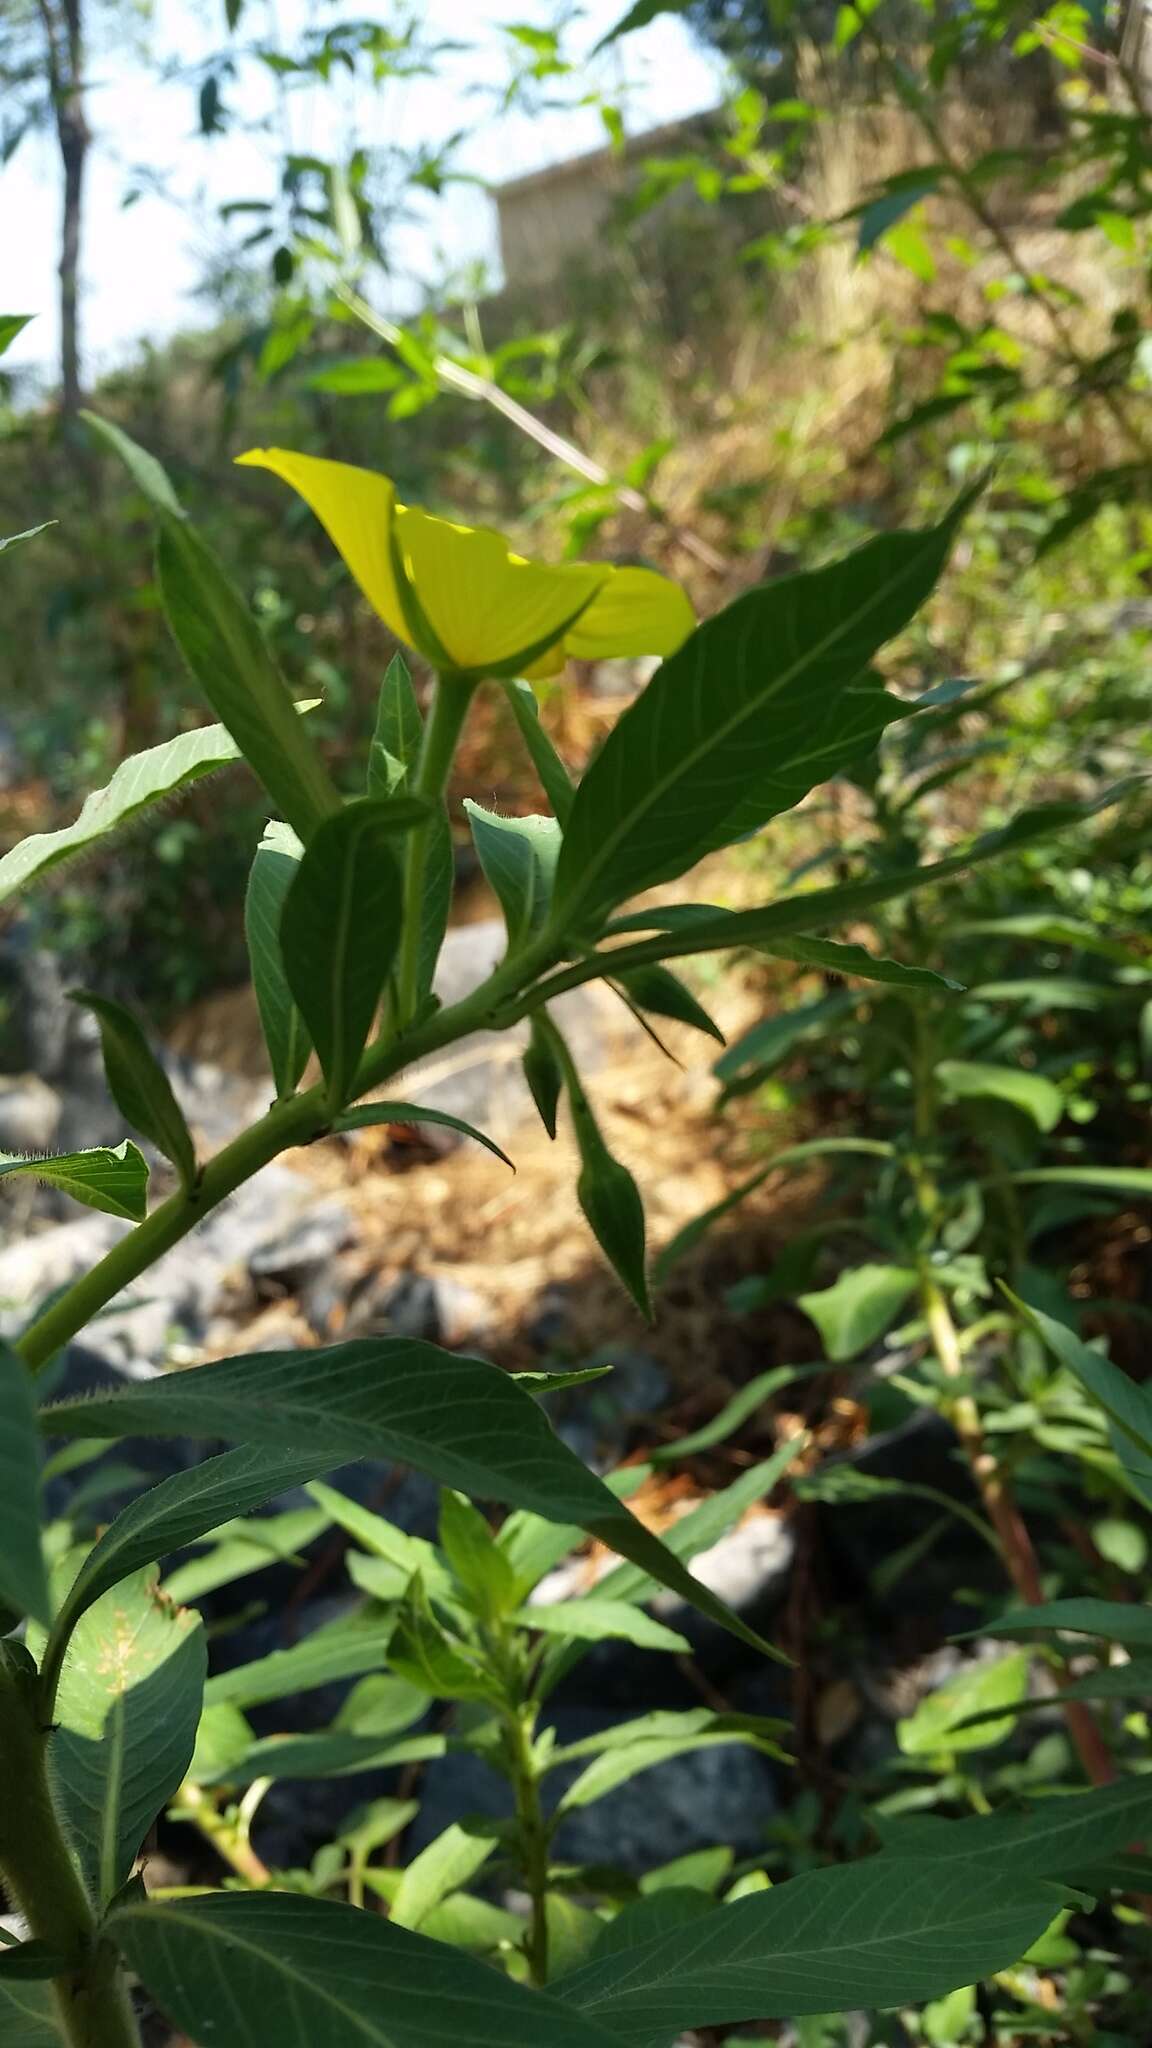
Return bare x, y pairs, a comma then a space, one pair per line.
64, 38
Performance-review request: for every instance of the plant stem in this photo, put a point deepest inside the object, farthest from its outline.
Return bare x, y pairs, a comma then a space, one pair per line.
451, 697
297, 1121
534, 1837
92, 2000
193, 1804
1013, 1540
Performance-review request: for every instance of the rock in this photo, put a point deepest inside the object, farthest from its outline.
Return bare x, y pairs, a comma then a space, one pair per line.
694, 1801
433, 1307
283, 1262
29, 1114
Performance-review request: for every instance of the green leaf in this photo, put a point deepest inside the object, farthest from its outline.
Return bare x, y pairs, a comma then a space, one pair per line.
473, 1924
942, 1721
138, 783
606, 1191
359, 374
346, 1650
592, 1620
179, 1511
409, 1555
858, 1307
771, 1041
23, 1579
1039, 1098
31, 1962
227, 653
836, 958
138, 1084
27, 2017
1127, 1405
543, 1073
444, 1866
518, 856
112, 1178
1057, 1838
12, 324
1043, 993
274, 870
263, 1968
459, 1419
761, 703
734, 1413
661, 1911
339, 931
555, 780
126, 1714
399, 733
242, 1548
478, 1563
692, 1232
16, 540
701, 1870
1115, 1621
713, 931
698, 1530
1111, 1180
425, 1651
881, 214
865, 1934
436, 904
1131, 1681
658, 990
368, 1114
618, 1765
341, 1753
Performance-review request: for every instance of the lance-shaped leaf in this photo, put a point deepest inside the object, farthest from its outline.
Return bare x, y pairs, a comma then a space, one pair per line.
761, 703
23, 1580
1127, 1405
704, 930
368, 1114
555, 780
444, 1866
543, 1073
126, 1714
607, 1193
859, 1306
273, 872
340, 928
459, 1419
698, 1227
113, 1178
177, 1512
347, 1649
395, 748
518, 856
227, 652
660, 991
875, 1933
140, 782
1058, 1838
138, 1084
1034, 1094
835, 958
270, 1968
16, 540
28, 2016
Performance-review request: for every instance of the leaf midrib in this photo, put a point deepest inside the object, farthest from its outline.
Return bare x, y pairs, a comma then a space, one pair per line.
717, 733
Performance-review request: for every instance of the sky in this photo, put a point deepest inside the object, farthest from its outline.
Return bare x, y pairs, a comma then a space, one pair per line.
143, 262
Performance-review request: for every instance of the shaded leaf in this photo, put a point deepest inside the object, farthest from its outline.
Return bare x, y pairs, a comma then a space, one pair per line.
555, 780
23, 1579
270, 1970
658, 990
543, 1073
444, 1866
518, 856
837, 958
874, 1933
691, 1233
368, 1114
1058, 1837
396, 743
138, 1084
274, 870
340, 929
126, 1714
1039, 1098
459, 1419
593, 1620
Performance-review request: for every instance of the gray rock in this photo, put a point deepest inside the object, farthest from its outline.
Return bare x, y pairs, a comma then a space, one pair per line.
29, 1114
725, 1795
309, 1243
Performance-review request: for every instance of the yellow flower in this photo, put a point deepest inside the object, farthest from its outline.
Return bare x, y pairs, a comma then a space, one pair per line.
461, 597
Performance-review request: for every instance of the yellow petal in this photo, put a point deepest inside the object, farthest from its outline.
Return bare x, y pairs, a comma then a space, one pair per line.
357, 508
635, 612
485, 605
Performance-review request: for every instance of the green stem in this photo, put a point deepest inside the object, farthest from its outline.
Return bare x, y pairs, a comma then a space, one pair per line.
534, 1837
451, 697
92, 2001
295, 1122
